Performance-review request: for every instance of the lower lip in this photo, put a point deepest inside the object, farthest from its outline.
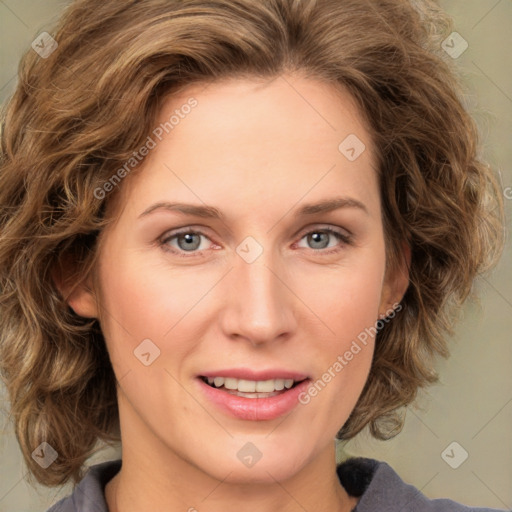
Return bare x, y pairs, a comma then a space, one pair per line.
255, 409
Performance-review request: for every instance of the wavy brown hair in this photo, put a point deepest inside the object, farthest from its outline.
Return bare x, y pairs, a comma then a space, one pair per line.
78, 115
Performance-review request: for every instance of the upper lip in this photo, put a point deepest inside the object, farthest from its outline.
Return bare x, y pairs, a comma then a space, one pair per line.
249, 374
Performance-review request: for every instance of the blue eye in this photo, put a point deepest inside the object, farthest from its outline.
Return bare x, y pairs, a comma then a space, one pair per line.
318, 237
189, 241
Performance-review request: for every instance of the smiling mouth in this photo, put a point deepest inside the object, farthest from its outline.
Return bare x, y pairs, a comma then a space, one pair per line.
251, 389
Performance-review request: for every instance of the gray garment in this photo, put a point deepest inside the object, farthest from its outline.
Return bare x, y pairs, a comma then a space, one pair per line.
379, 487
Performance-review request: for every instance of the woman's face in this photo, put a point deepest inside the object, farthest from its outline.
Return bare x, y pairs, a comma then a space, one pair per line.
243, 277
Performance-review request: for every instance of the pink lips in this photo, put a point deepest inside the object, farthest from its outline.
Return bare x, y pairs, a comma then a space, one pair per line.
254, 409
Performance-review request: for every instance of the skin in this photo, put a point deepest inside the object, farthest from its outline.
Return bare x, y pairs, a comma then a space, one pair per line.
257, 151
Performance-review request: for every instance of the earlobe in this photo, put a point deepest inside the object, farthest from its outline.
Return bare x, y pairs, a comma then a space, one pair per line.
78, 295
396, 283
82, 300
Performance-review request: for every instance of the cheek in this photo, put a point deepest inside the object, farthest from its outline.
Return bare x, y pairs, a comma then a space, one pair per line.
143, 292
347, 304
138, 304
145, 325
347, 298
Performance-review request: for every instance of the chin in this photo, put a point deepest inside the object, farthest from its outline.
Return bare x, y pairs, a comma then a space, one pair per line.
256, 461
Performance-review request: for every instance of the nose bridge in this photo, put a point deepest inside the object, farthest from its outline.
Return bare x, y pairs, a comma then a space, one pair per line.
260, 305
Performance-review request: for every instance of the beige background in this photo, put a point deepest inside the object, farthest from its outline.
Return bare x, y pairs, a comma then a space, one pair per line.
472, 405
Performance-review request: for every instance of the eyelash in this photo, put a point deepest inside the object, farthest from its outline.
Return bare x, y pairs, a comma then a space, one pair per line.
344, 238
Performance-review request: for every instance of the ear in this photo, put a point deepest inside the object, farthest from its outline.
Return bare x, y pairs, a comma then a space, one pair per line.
396, 282
78, 294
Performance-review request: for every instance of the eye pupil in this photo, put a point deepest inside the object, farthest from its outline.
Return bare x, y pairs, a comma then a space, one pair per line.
316, 238
190, 245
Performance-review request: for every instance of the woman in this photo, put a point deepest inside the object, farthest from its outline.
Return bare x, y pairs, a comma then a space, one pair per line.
233, 231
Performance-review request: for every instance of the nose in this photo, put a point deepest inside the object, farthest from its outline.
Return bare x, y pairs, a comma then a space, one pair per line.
260, 307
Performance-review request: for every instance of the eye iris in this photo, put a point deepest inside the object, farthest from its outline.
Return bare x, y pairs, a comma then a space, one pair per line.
314, 238
188, 237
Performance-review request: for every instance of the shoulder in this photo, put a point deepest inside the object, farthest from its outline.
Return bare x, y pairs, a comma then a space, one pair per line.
88, 495
379, 488
377, 485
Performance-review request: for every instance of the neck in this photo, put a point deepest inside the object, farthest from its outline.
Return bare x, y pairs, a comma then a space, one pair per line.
131, 491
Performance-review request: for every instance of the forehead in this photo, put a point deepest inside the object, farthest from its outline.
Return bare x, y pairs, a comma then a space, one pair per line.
275, 138
271, 107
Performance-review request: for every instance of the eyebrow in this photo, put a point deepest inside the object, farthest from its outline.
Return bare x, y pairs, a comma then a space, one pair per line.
211, 212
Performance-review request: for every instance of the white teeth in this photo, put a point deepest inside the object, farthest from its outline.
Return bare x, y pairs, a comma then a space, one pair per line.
246, 386
279, 384
251, 386
265, 386
288, 383
230, 383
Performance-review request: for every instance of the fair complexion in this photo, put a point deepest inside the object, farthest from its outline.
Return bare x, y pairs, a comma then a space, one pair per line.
258, 153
